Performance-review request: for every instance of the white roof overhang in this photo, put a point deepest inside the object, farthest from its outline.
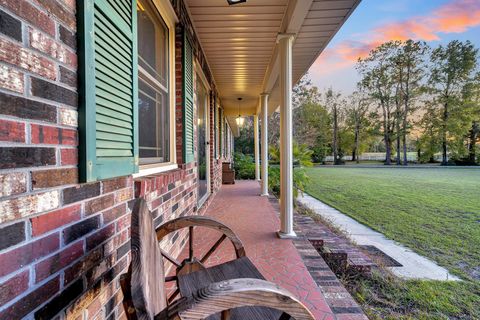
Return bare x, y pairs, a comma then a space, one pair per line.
239, 43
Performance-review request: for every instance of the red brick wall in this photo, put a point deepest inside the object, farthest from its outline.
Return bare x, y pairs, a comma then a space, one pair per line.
215, 160
63, 244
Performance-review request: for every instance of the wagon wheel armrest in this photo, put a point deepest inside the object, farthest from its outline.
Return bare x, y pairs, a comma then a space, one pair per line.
201, 221
225, 295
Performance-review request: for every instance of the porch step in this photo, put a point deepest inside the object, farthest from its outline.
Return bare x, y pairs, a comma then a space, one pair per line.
342, 256
336, 295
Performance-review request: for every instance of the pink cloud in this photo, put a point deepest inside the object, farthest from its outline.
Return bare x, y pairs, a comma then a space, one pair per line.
457, 16
454, 17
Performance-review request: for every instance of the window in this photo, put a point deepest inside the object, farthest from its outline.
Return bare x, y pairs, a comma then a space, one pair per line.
217, 133
153, 86
226, 139
222, 134
127, 86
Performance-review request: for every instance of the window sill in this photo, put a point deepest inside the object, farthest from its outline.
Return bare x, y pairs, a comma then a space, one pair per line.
154, 170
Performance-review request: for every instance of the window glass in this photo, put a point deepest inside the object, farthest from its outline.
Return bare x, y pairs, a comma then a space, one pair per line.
225, 143
153, 92
202, 147
152, 44
217, 133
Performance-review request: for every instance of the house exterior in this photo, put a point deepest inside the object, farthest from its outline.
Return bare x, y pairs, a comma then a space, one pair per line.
105, 101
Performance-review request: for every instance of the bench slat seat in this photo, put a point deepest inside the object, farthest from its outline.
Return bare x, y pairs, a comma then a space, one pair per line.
190, 283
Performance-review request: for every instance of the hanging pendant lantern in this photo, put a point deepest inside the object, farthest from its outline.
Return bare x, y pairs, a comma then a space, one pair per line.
240, 120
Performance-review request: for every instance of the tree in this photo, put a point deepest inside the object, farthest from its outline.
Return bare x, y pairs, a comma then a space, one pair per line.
430, 140
304, 92
306, 107
274, 128
378, 78
410, 73
398, 115
451, 69
334, 104
311, 127
357, 109
474, 134
310, 119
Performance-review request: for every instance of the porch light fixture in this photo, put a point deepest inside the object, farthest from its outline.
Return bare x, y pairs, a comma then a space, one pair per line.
231, 2
240, 120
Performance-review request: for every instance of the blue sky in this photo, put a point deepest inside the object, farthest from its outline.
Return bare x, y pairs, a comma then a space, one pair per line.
374, 21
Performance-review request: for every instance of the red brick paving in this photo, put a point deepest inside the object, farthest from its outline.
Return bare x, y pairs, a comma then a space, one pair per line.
255, 222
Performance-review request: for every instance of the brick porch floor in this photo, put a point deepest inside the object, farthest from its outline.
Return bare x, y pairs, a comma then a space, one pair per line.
254, 220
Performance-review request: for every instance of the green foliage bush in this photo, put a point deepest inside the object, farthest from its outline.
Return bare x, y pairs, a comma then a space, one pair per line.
244, 166
300, 180
274, 179
302, 157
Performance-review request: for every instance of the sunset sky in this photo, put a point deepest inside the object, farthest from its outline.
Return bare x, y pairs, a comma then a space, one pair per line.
376, 21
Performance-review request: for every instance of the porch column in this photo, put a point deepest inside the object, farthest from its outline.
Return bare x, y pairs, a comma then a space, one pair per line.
257, 147
286, 158
264, 145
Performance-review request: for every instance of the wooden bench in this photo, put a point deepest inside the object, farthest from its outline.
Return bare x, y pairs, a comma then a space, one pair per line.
232, 290
228, 173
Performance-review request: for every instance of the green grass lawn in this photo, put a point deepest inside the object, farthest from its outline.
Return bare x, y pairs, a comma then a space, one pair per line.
434, 211
386, 297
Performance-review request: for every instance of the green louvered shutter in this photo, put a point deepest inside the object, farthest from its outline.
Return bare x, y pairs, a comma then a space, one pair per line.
108, 88
188, 138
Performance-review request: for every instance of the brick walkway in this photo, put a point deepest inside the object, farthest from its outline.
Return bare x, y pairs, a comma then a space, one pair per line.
255, 222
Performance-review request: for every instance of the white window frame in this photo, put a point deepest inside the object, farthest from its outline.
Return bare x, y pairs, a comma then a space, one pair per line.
217, 133
167, 13
222, 140
197, 69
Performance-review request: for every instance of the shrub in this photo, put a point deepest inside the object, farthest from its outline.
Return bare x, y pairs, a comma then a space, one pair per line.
302, 156
274, 179
244, 166
300, 180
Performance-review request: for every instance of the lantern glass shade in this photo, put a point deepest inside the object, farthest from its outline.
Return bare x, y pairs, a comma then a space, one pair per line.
240, 120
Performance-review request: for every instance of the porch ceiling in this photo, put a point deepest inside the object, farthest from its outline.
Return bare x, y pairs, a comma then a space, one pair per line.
239, 42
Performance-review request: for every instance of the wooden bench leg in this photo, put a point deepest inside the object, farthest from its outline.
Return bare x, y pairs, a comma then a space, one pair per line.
225, 315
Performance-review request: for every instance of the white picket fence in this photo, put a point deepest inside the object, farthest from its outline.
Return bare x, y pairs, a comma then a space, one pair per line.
380, 156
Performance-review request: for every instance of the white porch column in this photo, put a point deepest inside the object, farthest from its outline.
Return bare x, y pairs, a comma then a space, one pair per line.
264, 145
286, 158
257, 147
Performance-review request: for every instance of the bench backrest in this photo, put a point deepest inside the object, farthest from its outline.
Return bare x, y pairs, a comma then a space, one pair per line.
147, 273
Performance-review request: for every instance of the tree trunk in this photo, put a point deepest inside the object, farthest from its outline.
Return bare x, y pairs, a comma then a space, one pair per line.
444, 135
398, 141
404, 132
388, 151
356, 145
335, 136
432, 156
474, 131
406, 102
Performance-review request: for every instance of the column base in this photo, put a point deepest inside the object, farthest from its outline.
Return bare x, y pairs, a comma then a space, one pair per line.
264, 194
283, 235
